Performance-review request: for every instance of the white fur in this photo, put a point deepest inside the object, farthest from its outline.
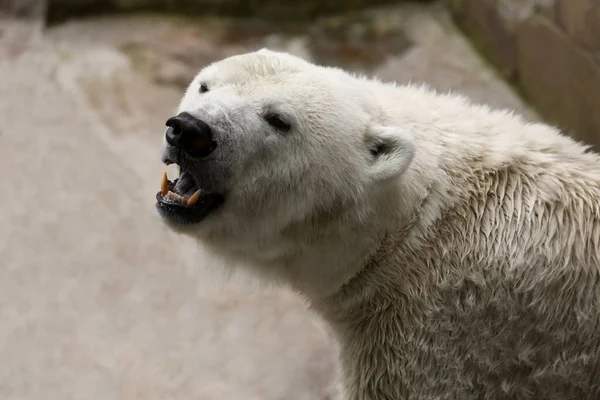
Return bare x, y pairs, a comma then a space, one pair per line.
365, 238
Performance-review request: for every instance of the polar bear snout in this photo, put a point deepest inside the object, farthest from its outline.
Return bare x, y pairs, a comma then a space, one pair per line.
190, 134
198, 191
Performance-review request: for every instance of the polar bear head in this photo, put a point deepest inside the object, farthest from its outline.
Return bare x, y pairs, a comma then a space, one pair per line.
276, 154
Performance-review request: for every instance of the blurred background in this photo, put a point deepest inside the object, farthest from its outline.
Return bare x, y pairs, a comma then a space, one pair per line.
97, 299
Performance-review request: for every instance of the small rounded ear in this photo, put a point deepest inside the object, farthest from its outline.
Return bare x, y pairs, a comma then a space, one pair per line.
392, 151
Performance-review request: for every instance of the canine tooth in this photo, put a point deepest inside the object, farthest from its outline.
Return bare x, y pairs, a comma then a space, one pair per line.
175, 197
164, 184
193, 198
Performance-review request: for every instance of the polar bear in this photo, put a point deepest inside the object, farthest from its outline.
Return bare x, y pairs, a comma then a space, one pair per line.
453, 250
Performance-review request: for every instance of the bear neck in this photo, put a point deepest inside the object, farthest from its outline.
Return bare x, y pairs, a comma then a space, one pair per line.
322, 267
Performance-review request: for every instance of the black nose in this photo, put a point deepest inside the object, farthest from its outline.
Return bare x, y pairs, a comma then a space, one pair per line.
190, 134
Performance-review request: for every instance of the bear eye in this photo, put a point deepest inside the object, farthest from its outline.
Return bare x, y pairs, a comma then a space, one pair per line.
277, 122
203, 88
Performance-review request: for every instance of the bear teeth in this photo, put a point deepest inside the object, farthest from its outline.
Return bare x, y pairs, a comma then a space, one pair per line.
165, 192
176, 197
193, 198
164, 185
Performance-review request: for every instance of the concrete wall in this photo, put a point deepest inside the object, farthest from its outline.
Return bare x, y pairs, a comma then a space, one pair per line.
550, 49
27, 9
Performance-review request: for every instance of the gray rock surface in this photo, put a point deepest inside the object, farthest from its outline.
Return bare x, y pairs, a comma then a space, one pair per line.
97, 299
27, 9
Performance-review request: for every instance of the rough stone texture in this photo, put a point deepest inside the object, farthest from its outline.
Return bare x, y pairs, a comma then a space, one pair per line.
17, 34
29, 9
515, 11
97, 299
564, 82
493, 34
564, 90
456, 5
491, 24
581, 20
547, 8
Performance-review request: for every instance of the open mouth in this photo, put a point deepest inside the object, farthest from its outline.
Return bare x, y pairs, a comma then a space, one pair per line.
183, 202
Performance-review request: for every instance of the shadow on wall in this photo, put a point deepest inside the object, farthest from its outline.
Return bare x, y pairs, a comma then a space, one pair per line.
271, 9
